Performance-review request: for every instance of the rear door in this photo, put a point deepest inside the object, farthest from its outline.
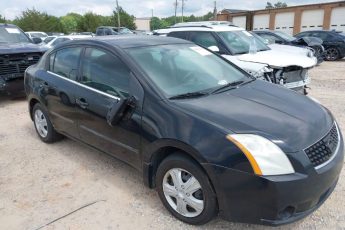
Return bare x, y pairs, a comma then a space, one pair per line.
107, 80
58, 88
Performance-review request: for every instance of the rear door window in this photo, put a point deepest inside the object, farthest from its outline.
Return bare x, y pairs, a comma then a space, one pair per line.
65, 62
205, 39
179, 34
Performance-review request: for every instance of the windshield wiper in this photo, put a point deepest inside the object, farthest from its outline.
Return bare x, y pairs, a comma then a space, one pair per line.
228, 85
188, 95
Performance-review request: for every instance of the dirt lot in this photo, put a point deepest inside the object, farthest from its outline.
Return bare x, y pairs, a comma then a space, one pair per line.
40, 182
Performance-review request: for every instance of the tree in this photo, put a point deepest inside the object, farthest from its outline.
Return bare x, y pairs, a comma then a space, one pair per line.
2, 19
89, 22
32, 19
269, 5
279, 4
70, 22
126, 19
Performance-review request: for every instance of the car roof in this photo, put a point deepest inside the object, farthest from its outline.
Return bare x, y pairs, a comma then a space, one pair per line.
8, 25
209, 28
130, 41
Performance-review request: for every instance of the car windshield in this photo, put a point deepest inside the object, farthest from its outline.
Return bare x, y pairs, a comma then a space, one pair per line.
125, 31
37, 35
48, 39
285, 36
12, 35
185, 69
242, 42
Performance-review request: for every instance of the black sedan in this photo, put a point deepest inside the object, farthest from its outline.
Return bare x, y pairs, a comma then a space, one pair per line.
210, 138
333, 41
279, 37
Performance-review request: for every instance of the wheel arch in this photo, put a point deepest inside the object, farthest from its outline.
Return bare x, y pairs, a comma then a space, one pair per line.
32, 102
160, 150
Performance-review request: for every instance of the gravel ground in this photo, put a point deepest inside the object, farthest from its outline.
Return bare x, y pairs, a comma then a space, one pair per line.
41, 182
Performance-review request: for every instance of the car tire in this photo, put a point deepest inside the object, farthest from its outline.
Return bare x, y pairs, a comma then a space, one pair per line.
192, 207
43, 125
332, 54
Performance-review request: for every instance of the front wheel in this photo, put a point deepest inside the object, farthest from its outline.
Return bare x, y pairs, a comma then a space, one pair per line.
185, 190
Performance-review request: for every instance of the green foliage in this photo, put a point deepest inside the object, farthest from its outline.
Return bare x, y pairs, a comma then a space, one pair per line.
2, 19
126, 19
162, 23
70, 22
279, 4
89, 22
31, 19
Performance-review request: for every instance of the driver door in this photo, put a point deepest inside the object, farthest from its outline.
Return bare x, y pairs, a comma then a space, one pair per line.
105, 80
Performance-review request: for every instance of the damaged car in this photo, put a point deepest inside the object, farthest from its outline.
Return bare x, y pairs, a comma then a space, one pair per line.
278, 39
289, 69
17, 52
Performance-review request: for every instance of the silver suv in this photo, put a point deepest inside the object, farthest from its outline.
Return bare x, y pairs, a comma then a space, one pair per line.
280, 66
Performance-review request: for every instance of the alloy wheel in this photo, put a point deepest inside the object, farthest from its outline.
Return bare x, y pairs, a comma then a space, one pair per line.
183, 192
332, 54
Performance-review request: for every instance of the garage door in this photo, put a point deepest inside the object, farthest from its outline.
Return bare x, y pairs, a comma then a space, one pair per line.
240, 21
312, 20
284, 22
261, 22
338, 19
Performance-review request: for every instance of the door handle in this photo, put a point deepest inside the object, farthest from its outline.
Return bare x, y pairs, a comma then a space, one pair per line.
82, 103
44, 85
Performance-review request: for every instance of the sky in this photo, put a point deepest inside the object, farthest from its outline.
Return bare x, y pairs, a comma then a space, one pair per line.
139, 8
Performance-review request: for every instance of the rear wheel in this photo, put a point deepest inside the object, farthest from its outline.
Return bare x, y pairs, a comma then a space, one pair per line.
332, 54
43, 126
185, 190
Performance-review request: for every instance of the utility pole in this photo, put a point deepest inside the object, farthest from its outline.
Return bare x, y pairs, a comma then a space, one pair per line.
175, 5
215, 11
151, 19
182, 9
118, 15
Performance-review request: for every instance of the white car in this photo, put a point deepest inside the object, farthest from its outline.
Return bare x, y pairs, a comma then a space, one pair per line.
36, 34
276, 64
57, 40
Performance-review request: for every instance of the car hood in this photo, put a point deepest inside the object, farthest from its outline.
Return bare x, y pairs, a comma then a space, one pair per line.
290, 120
250, 67
310, 41
279, 58
8, 48
290, 49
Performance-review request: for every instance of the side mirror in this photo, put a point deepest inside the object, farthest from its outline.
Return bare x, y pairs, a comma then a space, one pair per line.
36, 40
214, 49
119, 109
267, 42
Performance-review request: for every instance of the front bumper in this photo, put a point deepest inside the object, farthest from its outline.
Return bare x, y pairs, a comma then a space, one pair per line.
274, 200
12, 86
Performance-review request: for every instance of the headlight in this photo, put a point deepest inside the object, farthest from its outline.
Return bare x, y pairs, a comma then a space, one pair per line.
265, 157
261, 72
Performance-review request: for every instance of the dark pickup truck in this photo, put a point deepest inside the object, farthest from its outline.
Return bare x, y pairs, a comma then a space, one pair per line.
17, 52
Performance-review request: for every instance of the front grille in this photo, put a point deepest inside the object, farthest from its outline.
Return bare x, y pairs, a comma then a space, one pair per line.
324, 149
17, 63
295, 75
